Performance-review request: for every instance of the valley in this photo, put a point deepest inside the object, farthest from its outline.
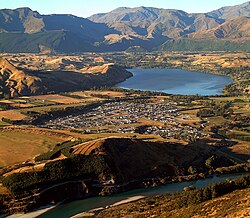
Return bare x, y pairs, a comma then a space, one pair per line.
135, 111
96, 141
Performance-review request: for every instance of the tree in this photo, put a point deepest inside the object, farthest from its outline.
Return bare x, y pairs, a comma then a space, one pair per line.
192, 170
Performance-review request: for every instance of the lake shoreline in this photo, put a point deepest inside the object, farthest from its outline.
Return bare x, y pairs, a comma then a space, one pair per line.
176, 81
193, 69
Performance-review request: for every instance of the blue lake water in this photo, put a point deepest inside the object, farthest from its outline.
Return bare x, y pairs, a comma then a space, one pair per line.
176, 81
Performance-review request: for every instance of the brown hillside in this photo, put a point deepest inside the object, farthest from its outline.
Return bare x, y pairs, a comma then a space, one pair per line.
232, 29
14, 82
232, 205
136, 158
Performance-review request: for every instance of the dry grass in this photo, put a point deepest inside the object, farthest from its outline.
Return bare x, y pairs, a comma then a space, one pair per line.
16, 147
242, 147
12, 115
219, 120
44, 109
88, 147
26, 169
189, 117
144, 121
58, 99
149, 137
109, 93
235, 204
22, 105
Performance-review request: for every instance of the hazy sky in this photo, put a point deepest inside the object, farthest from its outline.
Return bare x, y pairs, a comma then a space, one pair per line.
85, 8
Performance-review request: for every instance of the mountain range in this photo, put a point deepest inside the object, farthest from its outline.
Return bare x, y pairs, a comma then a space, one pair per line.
24, 30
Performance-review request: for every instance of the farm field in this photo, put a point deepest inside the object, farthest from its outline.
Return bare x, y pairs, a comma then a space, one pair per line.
12, 115
57, 99
33, 144
16, 147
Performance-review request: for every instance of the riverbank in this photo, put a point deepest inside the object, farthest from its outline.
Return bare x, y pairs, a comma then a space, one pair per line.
96, 210
223, 199
76, 207
32, 214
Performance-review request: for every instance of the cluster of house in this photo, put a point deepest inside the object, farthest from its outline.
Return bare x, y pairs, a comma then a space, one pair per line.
127, 117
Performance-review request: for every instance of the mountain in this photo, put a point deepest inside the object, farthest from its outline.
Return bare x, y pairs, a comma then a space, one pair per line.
174, 26
238, 28
24, 30
148, 22
24, 20
53, 41
15, 82
231, 12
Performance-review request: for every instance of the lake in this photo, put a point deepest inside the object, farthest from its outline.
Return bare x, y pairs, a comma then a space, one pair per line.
75, 207
176, 81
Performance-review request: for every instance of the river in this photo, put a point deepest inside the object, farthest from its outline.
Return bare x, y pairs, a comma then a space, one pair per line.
75, 207
176, 81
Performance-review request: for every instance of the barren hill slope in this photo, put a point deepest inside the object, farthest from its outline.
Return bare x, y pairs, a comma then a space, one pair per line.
238, 28
16, 82
231, 12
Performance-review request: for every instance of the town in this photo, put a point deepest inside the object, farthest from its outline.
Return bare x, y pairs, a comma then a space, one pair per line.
134, 116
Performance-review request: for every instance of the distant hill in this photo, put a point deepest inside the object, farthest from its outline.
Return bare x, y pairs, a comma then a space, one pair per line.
24, 20
152, 22
15, 82
55, 41
204, 45
24, 30
238, 28
231, 12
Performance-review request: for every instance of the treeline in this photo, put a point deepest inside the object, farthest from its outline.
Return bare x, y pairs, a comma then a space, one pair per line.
187, 98
238, 168
12, 122
222, 109
62, 112
242, 77
78, 167
203, 45
242, 137
212, 191
60, 148
130, 91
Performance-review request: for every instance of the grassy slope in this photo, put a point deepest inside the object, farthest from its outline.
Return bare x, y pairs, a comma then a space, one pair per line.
235, 204
17, 147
